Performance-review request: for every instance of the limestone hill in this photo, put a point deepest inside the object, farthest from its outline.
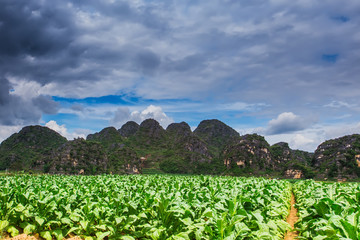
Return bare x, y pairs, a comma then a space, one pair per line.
213, 148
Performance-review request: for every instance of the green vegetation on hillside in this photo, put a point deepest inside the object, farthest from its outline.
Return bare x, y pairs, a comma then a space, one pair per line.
23, 150
213, 148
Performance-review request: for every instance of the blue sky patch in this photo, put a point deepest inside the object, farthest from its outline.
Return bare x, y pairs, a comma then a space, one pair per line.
341, 19
332, 58
110, 99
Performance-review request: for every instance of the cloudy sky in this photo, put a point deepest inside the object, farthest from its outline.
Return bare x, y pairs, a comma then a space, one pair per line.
288, 70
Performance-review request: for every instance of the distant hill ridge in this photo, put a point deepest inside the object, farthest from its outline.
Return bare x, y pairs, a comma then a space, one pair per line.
212, 148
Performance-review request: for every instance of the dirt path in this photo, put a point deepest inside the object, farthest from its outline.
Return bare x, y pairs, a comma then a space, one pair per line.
292, 219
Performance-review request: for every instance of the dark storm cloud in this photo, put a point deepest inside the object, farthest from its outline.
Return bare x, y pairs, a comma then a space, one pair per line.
147, 61
36, 39
146, 15
41, 41
33, 37
186, 64
46, 104
28, 28
4, 91
16, 110
274, 52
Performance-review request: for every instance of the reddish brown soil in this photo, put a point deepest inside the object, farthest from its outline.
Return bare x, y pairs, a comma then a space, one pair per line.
21, 237
292, 219
35, 237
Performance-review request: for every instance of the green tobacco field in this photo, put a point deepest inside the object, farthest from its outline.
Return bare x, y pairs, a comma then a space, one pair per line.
175, 207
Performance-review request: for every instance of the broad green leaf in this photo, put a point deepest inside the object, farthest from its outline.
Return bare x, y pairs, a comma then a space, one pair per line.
75, 217
181, 236
283, 226
39, 220
335, 221
3, 225
30, 228
73, 229
156, 233
58, 234
241, 227
19, 208
199, 235
320, 237
232, 236
46, 235
350, 230
13, 231
322, 208
84, 224
127, 238
187, 221
142, 215
66, 221
207, 213
101, 227
119, 220
258, 216
101, 235
265, 235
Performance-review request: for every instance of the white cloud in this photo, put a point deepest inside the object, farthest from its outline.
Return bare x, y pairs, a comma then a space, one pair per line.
62, 130
123, 114
241, 106
25, 89
306, 140
340, 104
7, 131
309, 139
340, 130
286, 122
300, 141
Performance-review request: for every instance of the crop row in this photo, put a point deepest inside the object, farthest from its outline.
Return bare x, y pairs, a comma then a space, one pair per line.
328, 210
144, 207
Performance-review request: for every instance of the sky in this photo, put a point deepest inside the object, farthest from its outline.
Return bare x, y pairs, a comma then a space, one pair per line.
287, 70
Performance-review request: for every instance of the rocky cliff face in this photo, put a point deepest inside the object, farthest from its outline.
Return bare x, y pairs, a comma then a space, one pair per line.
213, 148
150, 132
108, 136
281, 153
129, 129
338, 158
186, 151
293, 163
215, 133
179, 130
77, 157
174, 150
181, 137
21, 150
122, 159
250, 152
